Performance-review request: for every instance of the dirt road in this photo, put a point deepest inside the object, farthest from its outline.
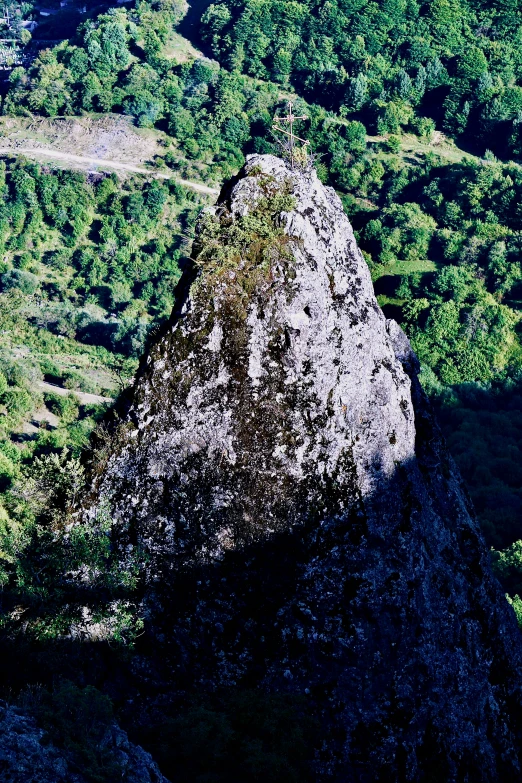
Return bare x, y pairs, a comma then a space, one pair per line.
84, 397
102, 163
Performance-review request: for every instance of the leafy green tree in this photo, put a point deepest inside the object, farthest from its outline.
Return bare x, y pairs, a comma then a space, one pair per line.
25, 282
107, 43
357, 92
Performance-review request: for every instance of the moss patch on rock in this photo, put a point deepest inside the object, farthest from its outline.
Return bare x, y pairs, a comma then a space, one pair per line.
236, 255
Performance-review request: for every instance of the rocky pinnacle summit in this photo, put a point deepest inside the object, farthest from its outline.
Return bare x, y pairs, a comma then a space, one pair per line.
305, 530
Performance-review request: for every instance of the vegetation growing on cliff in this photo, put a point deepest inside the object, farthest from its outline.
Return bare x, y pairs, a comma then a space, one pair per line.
239, 254
93, 262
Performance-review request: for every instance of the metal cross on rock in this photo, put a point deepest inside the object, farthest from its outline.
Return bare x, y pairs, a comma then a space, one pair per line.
292, 138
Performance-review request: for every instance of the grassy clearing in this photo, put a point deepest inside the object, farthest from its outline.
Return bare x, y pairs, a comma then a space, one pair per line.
111, 136
180, 49
103, 142
401, 268
440, 145
387, 281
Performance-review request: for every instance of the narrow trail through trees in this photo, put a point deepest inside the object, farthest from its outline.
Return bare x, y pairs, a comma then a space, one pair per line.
101, 164
84, 397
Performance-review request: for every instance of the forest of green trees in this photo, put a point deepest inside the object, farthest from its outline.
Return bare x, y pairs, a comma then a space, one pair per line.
442, 236
89, 262
455, 62
89, 266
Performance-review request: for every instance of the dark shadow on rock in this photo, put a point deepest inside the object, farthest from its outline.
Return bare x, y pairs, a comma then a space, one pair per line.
382, 628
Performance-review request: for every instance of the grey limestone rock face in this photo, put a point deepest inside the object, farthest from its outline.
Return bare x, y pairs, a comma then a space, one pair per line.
306, 530
243, 426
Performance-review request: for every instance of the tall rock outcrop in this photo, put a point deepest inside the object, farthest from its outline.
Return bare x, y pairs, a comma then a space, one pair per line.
305, 529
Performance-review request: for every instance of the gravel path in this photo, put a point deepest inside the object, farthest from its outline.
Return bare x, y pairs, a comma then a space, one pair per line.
104, 163
84, 397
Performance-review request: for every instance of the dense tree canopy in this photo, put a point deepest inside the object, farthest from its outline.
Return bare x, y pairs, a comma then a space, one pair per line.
457, 61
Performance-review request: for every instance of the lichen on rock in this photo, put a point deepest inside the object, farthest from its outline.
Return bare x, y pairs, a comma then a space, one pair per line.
256, 397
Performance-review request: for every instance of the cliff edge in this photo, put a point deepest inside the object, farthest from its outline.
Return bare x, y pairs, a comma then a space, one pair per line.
305, 530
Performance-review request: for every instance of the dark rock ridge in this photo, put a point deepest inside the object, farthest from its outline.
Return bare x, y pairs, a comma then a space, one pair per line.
306, 530
28, 756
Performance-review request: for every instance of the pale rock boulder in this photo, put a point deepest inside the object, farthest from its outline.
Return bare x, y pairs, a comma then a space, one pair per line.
240, 426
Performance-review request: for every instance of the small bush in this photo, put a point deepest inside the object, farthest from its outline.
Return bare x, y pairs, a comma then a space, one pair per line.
14, 537
17, 401
67, 407
51, 371
8, 471
25, 282
393, 144
23, 261
516, 603
93, 410
424, 127
77, 381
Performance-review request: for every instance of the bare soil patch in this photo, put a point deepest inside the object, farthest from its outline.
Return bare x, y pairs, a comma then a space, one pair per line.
103, 136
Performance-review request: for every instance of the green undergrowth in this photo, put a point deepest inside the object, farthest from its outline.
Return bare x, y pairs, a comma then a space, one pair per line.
234, 736
89, 264
78, 722
64, 578
236, 255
